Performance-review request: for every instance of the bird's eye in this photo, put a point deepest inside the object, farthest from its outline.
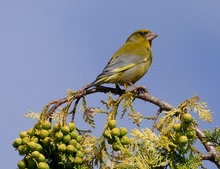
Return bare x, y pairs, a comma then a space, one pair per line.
143, 33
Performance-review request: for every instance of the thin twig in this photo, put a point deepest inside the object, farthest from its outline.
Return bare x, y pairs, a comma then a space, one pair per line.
155, 118
73, 112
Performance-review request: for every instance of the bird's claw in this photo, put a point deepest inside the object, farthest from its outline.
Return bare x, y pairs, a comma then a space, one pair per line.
141, 89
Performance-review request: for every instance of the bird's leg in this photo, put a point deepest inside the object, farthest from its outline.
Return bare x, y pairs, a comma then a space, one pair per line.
130, 84
117, 87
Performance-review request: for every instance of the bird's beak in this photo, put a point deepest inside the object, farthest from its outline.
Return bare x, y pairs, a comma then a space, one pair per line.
150, 36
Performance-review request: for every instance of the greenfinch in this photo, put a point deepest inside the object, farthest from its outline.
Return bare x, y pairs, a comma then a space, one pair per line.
130, 62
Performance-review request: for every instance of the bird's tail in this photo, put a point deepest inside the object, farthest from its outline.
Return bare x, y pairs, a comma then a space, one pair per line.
90, 85
102, 78
97, 82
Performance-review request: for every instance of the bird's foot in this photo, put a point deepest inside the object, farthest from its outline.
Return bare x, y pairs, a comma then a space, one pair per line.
140, 89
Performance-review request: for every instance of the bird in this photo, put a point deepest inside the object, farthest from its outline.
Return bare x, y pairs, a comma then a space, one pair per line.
130, 62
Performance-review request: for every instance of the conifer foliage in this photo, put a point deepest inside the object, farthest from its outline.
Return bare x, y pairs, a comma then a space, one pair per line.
56, 142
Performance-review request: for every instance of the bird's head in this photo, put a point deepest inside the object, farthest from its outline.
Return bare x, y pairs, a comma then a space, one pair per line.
143, 36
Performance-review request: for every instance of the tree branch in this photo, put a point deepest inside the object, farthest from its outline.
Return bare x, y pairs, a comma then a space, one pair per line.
140, 93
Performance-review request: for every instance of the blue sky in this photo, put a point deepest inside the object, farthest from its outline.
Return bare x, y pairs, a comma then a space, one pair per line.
49, 46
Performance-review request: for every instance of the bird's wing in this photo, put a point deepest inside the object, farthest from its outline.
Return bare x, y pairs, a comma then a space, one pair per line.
121, 63
124, 59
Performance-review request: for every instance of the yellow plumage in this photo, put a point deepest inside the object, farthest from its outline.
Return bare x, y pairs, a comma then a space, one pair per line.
130, 62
